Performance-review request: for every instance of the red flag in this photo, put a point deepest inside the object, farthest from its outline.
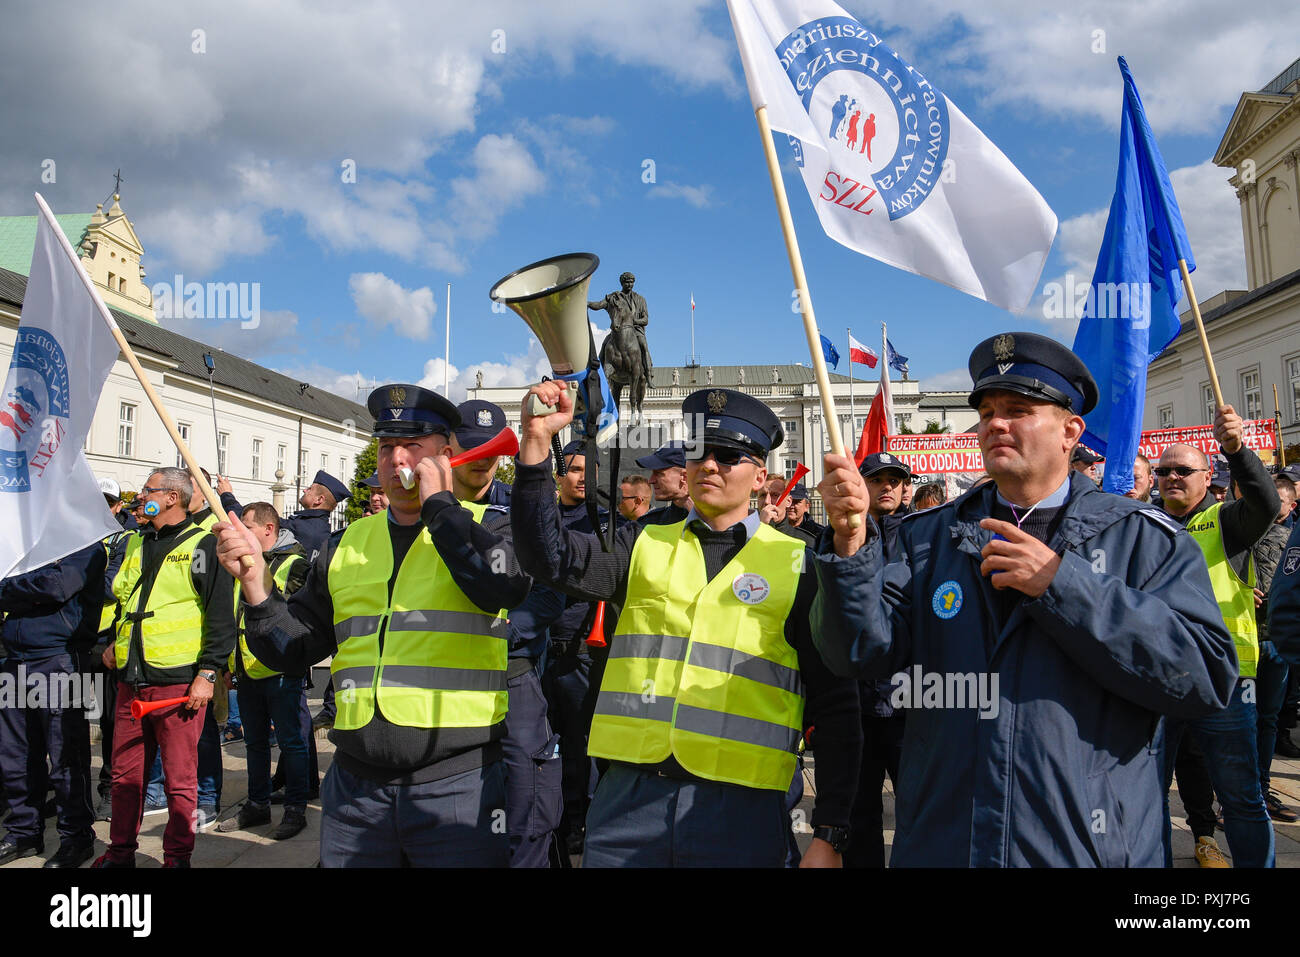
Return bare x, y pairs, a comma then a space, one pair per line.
877, 425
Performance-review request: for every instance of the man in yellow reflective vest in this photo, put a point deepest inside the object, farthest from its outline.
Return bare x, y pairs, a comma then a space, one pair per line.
712, 677
410, 603
1227, 739
174, 630
266, 695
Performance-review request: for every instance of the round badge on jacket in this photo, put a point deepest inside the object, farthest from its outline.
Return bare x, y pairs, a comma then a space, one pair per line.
751, 588
947, 600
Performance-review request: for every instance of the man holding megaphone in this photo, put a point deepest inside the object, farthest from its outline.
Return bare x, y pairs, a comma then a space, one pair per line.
712, 676
411, 604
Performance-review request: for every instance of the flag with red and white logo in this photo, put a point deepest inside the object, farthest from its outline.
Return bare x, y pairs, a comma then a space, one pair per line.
864, 355
50, 502
894, 169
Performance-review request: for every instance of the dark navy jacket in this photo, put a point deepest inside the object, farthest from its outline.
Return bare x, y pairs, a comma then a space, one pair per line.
1066, 771
1284, 601
55, 608
311, 526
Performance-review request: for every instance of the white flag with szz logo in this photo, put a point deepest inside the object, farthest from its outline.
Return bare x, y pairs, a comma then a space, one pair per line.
893, 168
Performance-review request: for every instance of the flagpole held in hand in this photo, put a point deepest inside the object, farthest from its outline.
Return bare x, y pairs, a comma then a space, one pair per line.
195, 472
801, 287
1200, 331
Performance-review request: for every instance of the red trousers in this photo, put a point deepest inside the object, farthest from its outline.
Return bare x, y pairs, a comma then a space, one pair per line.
174, 729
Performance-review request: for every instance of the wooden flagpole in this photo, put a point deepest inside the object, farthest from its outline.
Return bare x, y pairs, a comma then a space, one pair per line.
195, 472
1200, 331
1277, 428
801, 287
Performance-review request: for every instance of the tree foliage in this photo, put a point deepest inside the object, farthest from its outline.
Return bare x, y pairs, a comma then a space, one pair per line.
366, 463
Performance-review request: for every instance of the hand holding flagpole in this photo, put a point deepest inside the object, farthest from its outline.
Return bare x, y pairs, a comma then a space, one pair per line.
195, 472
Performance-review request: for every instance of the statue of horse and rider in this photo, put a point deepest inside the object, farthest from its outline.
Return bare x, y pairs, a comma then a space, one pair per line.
624, 354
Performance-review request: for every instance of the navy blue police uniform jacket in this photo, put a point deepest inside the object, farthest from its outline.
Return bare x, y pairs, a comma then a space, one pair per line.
1065, 770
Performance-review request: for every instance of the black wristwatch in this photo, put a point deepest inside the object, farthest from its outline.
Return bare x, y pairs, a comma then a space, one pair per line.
207, 674
836, 837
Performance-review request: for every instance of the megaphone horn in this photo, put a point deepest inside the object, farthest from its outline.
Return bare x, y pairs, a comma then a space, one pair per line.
141, 708
504, 442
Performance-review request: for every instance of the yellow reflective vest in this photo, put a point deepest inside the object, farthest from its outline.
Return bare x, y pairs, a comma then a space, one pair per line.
280, 575
170, 624
428, 656
109, 612
1236, 598
700, 669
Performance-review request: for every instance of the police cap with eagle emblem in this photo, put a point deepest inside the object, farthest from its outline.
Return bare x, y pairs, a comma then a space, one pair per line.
1033, 366
733, 420
402, 410
480, 420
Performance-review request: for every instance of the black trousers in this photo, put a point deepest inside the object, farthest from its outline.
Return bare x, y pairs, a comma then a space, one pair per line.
882, 746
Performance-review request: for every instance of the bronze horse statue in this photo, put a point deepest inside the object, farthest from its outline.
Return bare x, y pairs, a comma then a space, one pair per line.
621, 357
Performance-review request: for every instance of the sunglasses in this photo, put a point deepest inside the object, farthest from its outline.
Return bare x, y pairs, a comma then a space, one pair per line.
727, 456
1182, 471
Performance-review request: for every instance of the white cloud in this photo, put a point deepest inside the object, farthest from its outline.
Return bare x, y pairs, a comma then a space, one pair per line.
1212, 216
700, 197
199, 243
504, 175
387, 303
953, 380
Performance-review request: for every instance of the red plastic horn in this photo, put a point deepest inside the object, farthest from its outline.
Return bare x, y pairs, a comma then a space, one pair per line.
141, 708
504, 442
800, 470
597, 637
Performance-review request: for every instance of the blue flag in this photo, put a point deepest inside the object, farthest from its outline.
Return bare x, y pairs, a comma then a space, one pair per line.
828, 350
894, 358
1131, 312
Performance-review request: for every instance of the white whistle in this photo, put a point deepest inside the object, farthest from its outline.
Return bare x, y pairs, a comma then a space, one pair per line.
407, 477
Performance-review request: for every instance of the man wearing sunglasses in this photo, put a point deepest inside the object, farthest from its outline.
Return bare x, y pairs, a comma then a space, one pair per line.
1225, 531
712, 675
1093, 613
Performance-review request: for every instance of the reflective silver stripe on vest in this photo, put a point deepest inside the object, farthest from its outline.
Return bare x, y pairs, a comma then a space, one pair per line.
356, 625
733, 727
455, 622
668, 647
736, 662
629, 704
442, 679
346, 678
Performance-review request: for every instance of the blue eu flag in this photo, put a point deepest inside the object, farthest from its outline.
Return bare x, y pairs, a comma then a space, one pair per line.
1131, 313
828, 350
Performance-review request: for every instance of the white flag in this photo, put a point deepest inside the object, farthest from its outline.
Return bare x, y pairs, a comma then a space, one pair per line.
893, 168
50, 503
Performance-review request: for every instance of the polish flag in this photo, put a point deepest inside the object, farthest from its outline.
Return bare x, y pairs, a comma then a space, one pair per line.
879, 420
862, 354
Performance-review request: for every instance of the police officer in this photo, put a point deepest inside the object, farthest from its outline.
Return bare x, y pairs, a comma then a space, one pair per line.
702, 704
174, 630
310, 525
411, 603
886, 476
1093, 613
266, 695
667, 466
115, 548
531, 749
1082, 460
51, 616
572, 662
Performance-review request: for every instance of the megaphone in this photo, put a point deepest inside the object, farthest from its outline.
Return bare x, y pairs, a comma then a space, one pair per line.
596, 637
551, 296
141, 708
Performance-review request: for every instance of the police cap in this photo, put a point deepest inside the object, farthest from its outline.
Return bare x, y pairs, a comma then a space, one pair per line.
1086, 456
480, 420
732, 419
669, 455
799, 493
883, 462
1034, 366
332, 485
575, 447
372, 481
402, 410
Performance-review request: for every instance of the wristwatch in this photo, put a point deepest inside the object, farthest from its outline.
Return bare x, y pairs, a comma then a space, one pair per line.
207, 674
836, 837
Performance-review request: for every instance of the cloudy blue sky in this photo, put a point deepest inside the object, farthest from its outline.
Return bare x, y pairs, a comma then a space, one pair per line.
488, 136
